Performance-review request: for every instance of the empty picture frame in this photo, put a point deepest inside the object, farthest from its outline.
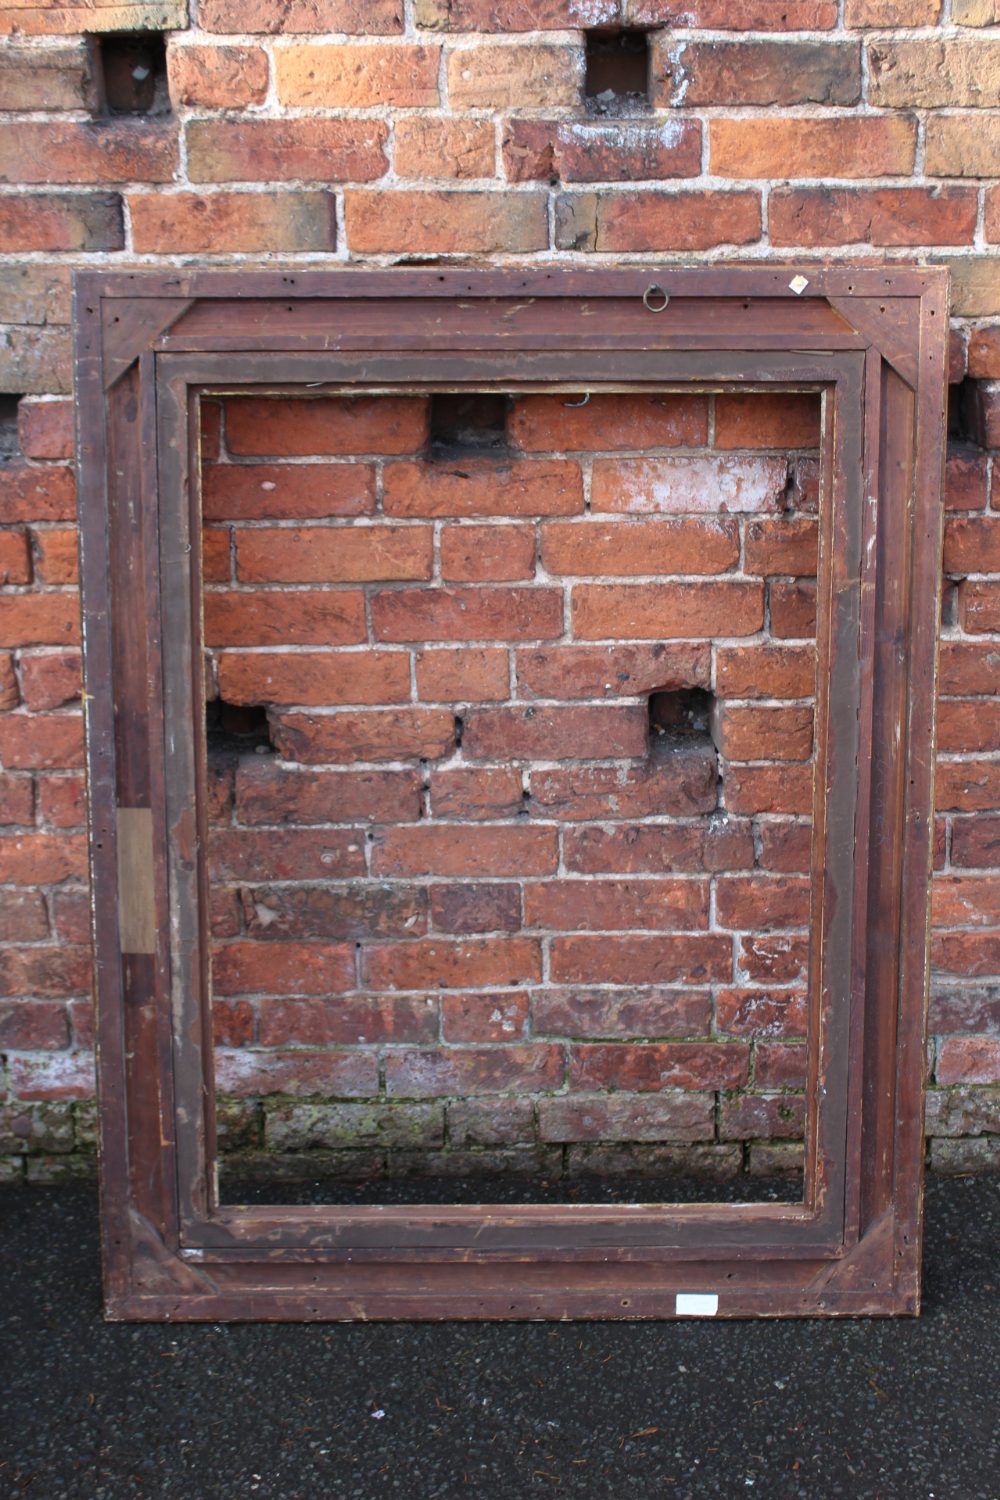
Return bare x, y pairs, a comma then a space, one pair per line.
872, 341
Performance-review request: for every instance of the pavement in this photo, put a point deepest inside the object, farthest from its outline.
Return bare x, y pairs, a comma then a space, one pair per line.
874, 1410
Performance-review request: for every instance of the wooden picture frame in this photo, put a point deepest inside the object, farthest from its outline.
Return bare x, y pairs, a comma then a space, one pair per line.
873, 341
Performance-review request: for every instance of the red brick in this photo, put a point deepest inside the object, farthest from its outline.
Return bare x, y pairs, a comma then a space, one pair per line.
981, 413
51, 972
975, 841
111, 151
532, 75
984, 352
932, 72
59, 1075
442, 964
45, 428
965, 953
15, 558
613, 905
414, 222
768, 1013
884, 13
320, 677
756, 420
37, 741
391, 734
292, 492
42, 858
476, 792
359, 77
619, 1014
216, 554
484, 487
476, 906
62, 801
637, 485
611, 671
972, 544
336, 912
489, 1017
427, 147
967, 785
515, 15
427, 849
23, 918
765, 733
61, 221
286, 854
301, 16
10, 695
735, 15
754, 72
654, 849
328, 554
638, 548
658, 611
322, 1021
659, 1065
761, 902
765, 671
785, 846
965, 901
282, 968
49, 78
887, 216
217, 77
600, 151
773, 958
36, 493
245, 1073
477, 675
200, 223
680, 219
467, 614
696, 958
264, 617
681, 784
308, 149
756, 789
967, 725
594, 733
793, 609
764, 1116
56, 555
968, 1059
539, 424
626, 1117
270, 793
477, 553
51, 680
326, 426
965, 478
433, 1072
849, 146
232, 1023
969, 667
979, 607
33, 1025
780, 1064
789, 545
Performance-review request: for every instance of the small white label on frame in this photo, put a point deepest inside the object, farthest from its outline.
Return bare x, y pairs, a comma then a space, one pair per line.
697, 1304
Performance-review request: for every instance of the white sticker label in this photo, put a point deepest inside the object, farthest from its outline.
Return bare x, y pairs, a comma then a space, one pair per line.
697, 1304
798, 284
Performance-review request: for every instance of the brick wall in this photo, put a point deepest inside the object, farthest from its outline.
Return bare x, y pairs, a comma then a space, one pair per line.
335, 130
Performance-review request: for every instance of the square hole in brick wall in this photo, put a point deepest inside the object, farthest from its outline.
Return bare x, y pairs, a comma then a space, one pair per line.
10, 446
617, 71
519, 892
132, 73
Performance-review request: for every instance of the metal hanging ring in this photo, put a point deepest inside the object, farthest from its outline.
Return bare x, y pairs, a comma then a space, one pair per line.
654, 298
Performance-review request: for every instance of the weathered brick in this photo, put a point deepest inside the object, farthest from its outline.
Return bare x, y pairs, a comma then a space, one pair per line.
51, 972
283, 150
886, 216
962, 145
927, 73
653, 611
217, 77
45, 428
443, 222
293, 17
762, 902
680, 219
967, 785
193, 223
882, 14
624, 1117
475, 792
764, 733
55, 555
467, 614
765, 671
483, 553
242, 1072
754, 72
51, 619
785, 846
620, 1013
111, 151
793, 608
427, 147
286, 853
337, 913
38, 741
614, 905
975, 285
476, 907
762, 1115
292, 492
713, 483
965, 479
28, 18
455, 850
46, 78
433, 1072
476, 675
489, 1017
15, 557
23, 918
484, 487
975, 841
975, 12
43, 858
30, 492
540, 424
851, 146
55, 1075
772, 958
357, 77
611, 671
967, 667
769, 1013
964, 1007
50, 680
779, 1064
563, 733
600, 151
269, 617
659, 1065
267, 793
535, 75
965, 901
680, 784
515, 15
652, 849
695, 958
250, 967
783, 788
979, 606
9, 693
734, 15
323, 554
315, 677
390, 734
33, 1025
968, 1059
617, 549
441, 963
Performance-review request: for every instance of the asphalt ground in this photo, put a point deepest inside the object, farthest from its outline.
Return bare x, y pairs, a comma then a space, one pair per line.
894, 1409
